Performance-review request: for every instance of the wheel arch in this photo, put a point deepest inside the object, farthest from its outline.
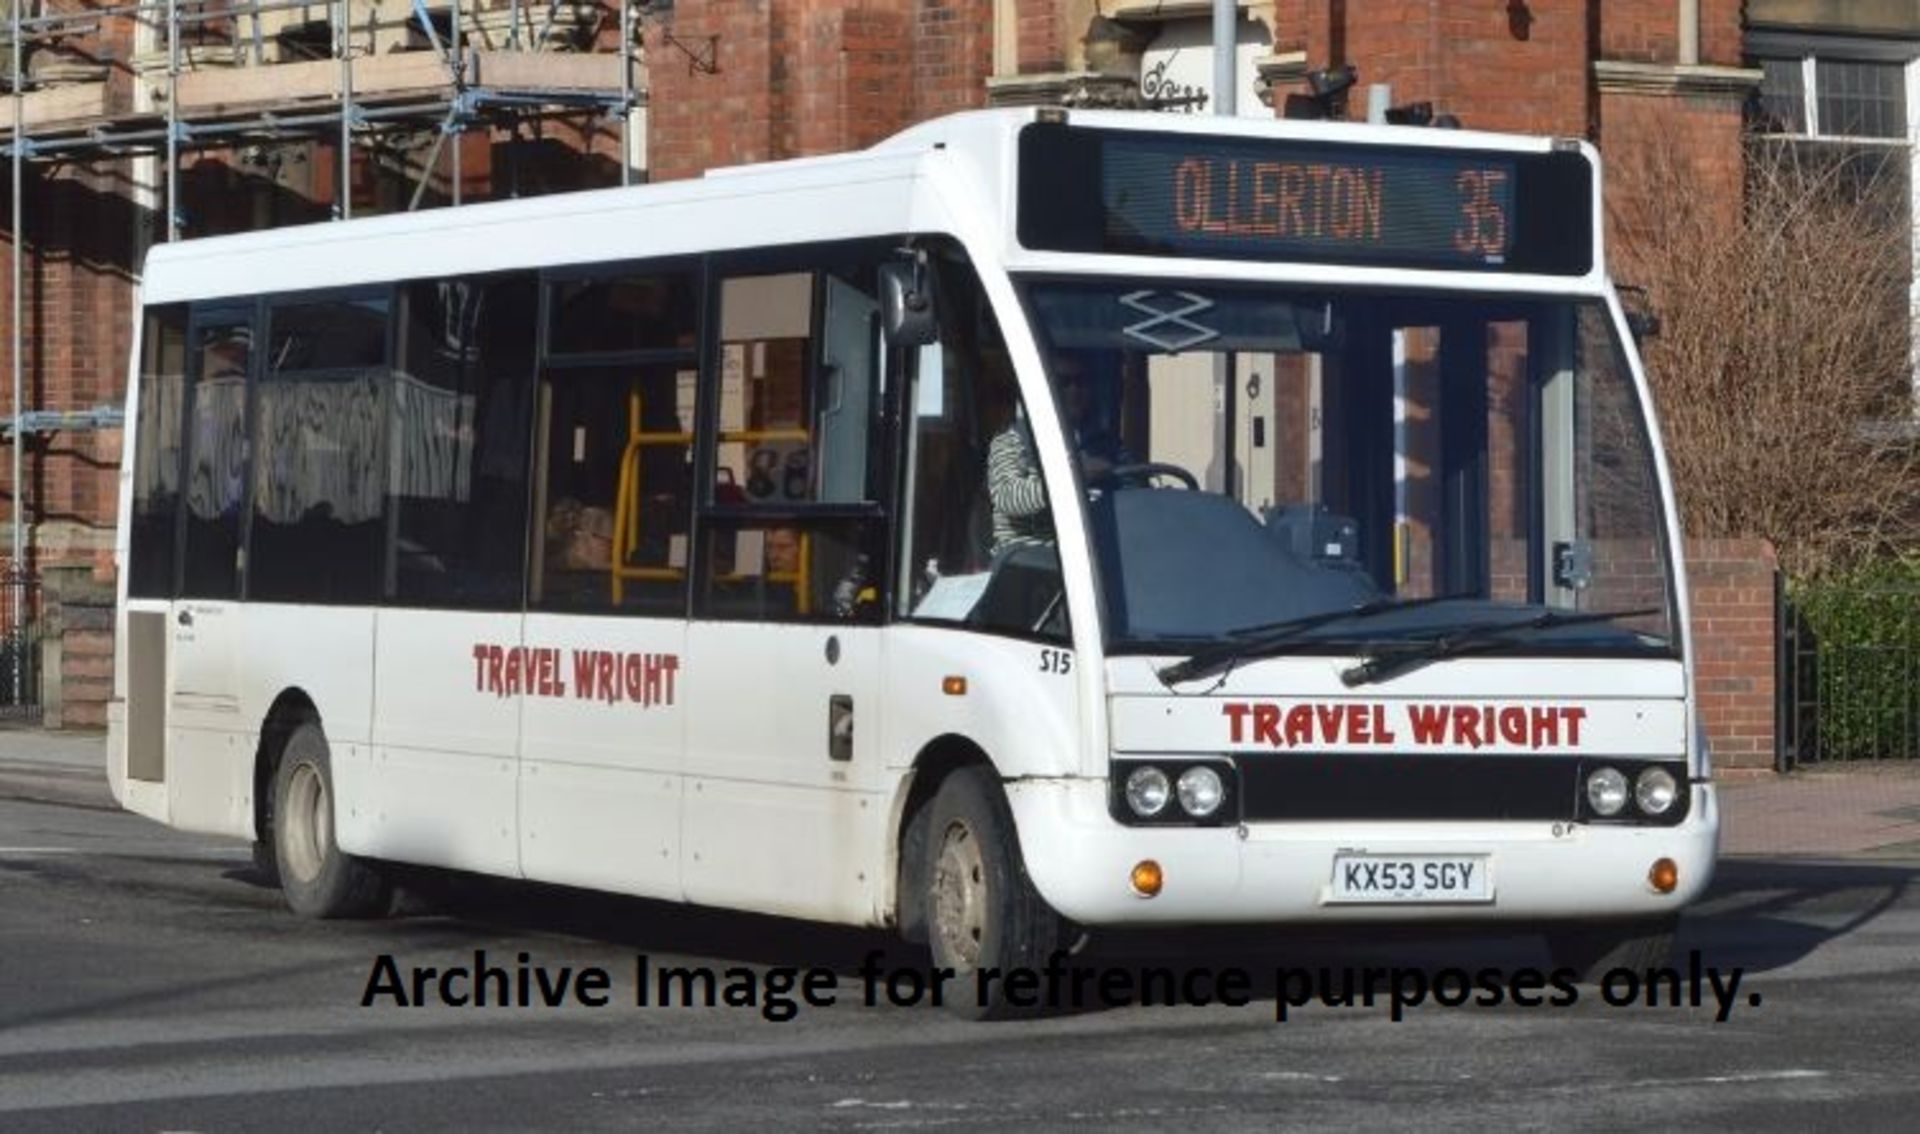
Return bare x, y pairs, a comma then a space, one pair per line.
292, 708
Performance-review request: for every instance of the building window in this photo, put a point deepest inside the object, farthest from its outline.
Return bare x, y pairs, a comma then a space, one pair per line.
1836, 109
1861, 100
1832, 89
1782, 105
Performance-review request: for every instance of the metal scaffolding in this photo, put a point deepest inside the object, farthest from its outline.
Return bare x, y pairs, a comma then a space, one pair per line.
455, 80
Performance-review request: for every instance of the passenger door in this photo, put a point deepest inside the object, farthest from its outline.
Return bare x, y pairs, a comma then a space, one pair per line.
784, 652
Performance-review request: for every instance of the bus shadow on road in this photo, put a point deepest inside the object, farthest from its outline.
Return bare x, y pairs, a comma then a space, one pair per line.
1764, 914
644, 925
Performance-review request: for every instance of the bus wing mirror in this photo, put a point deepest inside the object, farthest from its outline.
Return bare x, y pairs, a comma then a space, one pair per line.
906, 304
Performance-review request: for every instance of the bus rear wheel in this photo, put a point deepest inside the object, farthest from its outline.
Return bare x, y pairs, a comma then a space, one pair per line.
318, 879
982, 912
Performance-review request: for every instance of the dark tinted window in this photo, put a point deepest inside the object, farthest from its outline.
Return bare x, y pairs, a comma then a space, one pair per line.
460, 420
317, 486
153, 522
345, 334
622, 313
216, 470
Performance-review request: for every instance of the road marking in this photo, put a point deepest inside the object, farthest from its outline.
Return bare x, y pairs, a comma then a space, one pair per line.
1758, 1076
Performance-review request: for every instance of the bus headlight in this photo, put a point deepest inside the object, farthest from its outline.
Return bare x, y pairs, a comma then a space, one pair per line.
1654, 791
1201, 791
1147, 791
1606, 792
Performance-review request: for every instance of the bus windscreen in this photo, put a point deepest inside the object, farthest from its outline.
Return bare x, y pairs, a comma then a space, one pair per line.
1164, 194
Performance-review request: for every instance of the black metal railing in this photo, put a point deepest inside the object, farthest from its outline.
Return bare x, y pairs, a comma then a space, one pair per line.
19, 645
1849, 673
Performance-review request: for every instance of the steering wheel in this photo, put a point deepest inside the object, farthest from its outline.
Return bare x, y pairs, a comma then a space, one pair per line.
1145, 472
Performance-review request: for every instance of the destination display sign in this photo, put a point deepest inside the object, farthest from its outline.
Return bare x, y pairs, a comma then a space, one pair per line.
1164, 194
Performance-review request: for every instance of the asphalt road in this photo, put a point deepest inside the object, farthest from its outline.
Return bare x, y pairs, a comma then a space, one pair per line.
150, 981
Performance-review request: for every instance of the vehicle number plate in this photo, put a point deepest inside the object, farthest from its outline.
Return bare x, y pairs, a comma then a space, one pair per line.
1410, 878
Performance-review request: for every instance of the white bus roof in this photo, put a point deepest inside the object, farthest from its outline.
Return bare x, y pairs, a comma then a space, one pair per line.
954, 174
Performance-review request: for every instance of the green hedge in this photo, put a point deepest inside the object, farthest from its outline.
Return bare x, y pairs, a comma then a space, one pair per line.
1864, 630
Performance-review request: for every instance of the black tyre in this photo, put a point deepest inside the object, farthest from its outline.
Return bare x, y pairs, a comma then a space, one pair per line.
263, 863
1594, 949
317, 878
982, 912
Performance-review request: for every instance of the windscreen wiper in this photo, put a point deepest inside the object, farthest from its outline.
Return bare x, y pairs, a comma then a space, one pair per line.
1265, 638
1481, 636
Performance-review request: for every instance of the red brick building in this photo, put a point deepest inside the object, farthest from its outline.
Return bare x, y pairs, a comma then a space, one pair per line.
713, 82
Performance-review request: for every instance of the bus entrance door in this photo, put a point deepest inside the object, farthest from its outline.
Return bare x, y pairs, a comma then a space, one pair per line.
784, 734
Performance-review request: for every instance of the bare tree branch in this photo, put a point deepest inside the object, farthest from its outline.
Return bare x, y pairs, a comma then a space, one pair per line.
1782, 369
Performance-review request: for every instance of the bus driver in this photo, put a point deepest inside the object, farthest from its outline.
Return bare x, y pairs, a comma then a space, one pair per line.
1013, 470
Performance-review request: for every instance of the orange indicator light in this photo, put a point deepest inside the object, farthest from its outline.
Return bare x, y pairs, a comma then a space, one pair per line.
954, 686
1664, 876
1146, 878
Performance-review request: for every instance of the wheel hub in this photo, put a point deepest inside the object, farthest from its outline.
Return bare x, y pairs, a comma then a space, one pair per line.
308, 824
960, 896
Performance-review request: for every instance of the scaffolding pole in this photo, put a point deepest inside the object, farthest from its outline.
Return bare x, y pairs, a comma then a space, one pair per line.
173, 120
16, 567
343, 210
626, 93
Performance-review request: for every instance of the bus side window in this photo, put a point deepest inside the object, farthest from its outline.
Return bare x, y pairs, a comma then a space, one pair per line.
796, 527
318, 450
615, 419
461, 400
153, 525
213, 485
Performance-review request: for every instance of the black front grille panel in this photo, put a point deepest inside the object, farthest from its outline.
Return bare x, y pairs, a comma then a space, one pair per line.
1317, 786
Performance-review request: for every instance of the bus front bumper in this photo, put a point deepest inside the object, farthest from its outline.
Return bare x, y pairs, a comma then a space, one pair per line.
1082, 862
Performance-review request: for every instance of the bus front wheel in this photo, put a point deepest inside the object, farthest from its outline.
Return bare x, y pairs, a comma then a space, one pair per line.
984, 918
318, 879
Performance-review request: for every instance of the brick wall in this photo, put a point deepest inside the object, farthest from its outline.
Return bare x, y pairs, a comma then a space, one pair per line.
1648, 31
1494, 67
803, 77
1656, 146
1730, 584
952, 55
1042, 47
696, 120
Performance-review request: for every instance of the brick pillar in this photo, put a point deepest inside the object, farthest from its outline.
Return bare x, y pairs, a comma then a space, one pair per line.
1730, 583
75, 640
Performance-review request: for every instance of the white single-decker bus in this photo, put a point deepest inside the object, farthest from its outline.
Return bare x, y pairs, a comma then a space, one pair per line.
1033, 521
